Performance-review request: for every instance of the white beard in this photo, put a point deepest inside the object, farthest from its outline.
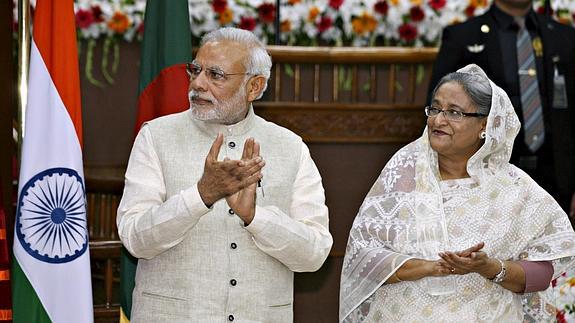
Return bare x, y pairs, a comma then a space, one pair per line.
226, 112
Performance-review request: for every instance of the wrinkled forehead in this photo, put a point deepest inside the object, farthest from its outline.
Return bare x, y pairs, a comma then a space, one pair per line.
227, 55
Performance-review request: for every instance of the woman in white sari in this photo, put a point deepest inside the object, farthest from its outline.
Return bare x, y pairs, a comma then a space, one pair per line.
454, 189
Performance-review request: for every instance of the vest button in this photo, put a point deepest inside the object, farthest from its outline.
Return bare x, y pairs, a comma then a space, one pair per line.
231, 212
233, 282
230, 318
234, 245
232, 144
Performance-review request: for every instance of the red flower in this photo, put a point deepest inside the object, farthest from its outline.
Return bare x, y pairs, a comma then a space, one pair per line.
554, 283
97, 13
437, 4
335, 3
470, 11
140, 29
84, 18
247, 23
407, 32
267, 12
220, 5
324, 24
541, 10
416, 14
560, 316
381, 7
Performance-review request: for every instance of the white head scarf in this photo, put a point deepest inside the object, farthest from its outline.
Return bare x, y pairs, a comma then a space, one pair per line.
505, 208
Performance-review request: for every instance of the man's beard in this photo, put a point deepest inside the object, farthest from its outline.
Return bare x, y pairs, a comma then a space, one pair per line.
229, 111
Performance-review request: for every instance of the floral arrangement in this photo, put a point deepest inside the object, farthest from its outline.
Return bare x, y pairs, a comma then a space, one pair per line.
302, 22
564, 293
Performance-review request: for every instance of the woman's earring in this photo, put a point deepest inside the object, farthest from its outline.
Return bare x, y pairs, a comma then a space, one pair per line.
482, 135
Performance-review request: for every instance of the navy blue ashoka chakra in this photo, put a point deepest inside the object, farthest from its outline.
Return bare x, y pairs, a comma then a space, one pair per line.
51, 218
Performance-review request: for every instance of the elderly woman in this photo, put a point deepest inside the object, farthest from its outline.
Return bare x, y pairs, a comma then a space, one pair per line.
451, 231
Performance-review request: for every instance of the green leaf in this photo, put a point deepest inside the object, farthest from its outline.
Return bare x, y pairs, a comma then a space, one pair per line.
288, 70
116, 57
105, 53
89, 64
348, 80
366, 87
420, 72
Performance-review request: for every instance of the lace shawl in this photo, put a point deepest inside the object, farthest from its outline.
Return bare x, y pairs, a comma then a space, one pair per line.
507, 210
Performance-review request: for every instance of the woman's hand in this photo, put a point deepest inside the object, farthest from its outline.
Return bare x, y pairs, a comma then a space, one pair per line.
466, 262
473, 260
415, 269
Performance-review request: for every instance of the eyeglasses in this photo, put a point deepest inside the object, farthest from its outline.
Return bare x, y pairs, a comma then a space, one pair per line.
214, 74
451, 115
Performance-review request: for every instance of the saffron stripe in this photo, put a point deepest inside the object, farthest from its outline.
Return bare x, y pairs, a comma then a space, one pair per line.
4, 275
5, 315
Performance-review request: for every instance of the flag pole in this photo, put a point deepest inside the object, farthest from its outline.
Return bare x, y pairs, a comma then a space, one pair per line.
23, 66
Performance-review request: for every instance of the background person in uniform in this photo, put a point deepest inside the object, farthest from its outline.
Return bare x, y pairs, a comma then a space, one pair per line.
218, 230
532, 57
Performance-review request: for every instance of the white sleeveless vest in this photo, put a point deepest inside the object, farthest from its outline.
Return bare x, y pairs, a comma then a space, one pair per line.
217, 273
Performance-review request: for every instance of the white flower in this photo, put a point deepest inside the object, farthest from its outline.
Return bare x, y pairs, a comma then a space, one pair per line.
203, 18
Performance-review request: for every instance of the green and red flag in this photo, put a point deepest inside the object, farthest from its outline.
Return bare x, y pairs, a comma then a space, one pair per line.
51, 279
163, 90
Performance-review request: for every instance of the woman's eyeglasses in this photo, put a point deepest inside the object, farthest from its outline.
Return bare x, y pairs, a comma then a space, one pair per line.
451, 115
214, 74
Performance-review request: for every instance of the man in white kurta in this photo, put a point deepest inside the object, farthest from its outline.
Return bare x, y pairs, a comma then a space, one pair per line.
219, 239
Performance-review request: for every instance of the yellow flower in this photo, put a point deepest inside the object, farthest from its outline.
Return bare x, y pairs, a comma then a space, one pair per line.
294, 2
364, 24
564, 20
119, 22
454, 21
416, 2
285, 26
394, 2
226, 16
478, 3
313, 12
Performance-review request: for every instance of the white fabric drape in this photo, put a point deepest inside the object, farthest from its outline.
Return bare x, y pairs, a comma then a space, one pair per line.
404, 216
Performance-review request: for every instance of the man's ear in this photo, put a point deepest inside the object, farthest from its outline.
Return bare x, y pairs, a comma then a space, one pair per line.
255, 86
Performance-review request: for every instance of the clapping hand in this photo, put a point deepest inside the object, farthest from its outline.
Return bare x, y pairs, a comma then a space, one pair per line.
224, 178
243, 202
466, 261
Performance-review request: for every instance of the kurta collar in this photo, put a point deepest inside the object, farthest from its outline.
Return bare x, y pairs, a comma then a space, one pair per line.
237, 129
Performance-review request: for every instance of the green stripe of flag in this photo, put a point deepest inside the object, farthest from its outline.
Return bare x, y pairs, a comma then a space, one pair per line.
31, 310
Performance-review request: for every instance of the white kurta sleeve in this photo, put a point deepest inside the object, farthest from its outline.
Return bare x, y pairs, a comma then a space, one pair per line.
148, 224
300, 239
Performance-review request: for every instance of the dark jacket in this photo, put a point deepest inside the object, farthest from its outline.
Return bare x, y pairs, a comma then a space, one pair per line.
478, 41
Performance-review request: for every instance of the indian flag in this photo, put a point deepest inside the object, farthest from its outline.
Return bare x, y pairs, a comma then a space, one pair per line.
51, 272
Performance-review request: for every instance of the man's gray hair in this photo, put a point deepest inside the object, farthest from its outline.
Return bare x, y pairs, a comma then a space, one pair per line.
258, 60
476, 86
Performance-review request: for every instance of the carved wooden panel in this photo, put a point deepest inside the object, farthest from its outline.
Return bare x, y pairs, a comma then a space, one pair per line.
347, 123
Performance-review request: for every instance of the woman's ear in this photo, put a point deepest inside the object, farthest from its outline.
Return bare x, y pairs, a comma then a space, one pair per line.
255, 86
484, 124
